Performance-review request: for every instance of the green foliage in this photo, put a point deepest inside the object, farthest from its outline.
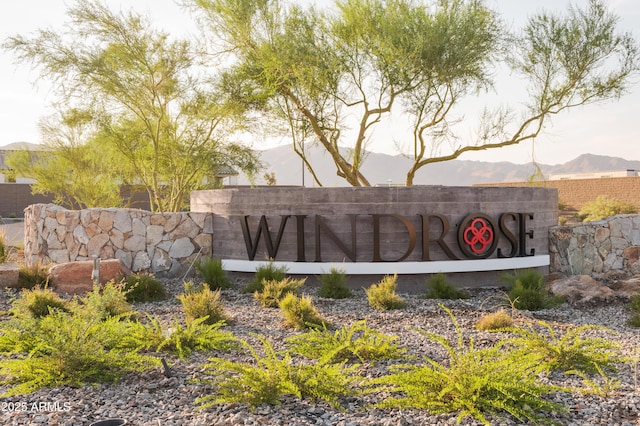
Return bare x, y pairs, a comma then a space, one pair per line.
32, 276
272, 376
265, 272
135, 108
203, 303
181, 340
570, 351
634, 320
604, 386
334, 285
38, 302
528, 291
143, 288
495, 321
273, 291
440, 288
212, 273
66, 349
424, 60
475, 382
300, 313
382, 296
4, 249
106, 301
604, 206
356, 342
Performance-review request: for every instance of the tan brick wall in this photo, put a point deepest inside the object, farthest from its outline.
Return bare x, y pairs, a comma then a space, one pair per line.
574, 193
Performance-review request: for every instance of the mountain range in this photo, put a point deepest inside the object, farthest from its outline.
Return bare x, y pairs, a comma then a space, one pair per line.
384, 169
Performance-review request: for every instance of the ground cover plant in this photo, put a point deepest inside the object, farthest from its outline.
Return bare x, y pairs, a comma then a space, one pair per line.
202, 302
634, 321
382, 295
272, 375
528, 291
473, 382
38, 302
495, 321
274, 291
32, 276
299, 312
143, 288
213, 273
334, 284
349, 343
440, 288
266, 272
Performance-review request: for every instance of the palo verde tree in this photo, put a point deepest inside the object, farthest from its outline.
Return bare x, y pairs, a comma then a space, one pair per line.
151, 116
338, 75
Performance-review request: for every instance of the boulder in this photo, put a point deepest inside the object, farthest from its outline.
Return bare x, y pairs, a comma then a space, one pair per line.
627, 288
75, 277
581, 289
9, 274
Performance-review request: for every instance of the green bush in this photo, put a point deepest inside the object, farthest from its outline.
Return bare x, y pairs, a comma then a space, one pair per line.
440, 288
33, 276
570, 351
603, 207
382, 296
66, 349
300, 313
528, 291
204, 303
495, 321
334, 285
274, 375
184, 340
106, 301
143, 288
4, 248
212, 273
273, 291
348, 343
473, 382
38, 302
265, 272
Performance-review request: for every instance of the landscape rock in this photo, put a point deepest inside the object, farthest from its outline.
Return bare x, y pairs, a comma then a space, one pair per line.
581, 289
75, 277
9, 275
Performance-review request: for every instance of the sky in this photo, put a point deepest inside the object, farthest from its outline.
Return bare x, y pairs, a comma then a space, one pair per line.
612, 128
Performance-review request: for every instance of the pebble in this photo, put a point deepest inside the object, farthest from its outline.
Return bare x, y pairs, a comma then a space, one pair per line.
151, 399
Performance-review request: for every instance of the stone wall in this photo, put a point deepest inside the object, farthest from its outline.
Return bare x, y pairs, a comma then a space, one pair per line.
601, 249
164, 244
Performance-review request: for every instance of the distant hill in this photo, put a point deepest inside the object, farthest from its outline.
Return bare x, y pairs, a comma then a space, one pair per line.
383, 169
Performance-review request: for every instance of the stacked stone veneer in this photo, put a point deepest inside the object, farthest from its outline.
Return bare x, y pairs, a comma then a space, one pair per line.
597, 248
144, 241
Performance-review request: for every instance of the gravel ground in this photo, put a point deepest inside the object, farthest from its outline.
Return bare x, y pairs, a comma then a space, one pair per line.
153, 399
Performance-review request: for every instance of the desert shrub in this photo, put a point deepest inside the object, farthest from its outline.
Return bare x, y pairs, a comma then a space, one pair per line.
440, 288
604, 206
570, 351
334, 285
4, 248
265, 272
182, 341
33, 276
528, 291
143, 288
203, 303
300, 313
382, 296
212, 273
66, 349
105, 301
273, 291
348, 343
495, 321
274, 375
473, 382
634, 321
38, 302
